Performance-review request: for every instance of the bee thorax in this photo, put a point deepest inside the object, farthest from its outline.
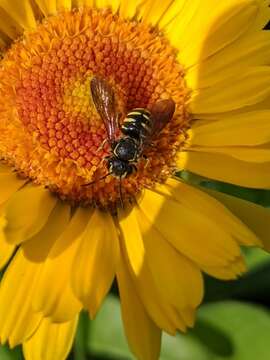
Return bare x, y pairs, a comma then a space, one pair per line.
126, 149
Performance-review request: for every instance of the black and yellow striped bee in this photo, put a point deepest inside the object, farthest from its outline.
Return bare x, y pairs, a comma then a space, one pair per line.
139, 128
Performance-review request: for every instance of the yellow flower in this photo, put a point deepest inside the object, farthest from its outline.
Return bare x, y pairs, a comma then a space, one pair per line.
63, 240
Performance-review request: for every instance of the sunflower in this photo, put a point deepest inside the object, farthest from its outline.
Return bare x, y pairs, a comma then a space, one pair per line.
67, 227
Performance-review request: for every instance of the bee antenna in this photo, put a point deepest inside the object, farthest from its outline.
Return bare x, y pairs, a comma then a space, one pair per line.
121, 193
101, 178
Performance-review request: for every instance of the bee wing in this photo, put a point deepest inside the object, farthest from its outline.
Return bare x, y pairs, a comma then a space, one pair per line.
161, 113
104, 100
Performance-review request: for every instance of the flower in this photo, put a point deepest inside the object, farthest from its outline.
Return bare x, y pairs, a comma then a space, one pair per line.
64, 233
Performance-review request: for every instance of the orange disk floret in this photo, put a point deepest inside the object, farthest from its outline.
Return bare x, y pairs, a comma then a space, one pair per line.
50, 129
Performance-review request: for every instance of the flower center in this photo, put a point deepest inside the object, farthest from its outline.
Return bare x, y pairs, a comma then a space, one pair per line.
50, 129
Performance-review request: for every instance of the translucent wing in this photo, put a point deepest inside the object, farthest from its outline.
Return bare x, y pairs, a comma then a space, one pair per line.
104, 100
162, 112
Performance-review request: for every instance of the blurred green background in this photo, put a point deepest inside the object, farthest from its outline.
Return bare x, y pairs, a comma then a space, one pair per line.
233, 323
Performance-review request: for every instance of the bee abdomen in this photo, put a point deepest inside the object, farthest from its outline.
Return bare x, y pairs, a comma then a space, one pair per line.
137, 123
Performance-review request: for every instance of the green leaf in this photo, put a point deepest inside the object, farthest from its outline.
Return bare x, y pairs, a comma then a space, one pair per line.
252, 286
183, 347
80, 343
107, 335
255, 258
258, 196
246, 326
215, 340
7, 354
107, 338
227, 330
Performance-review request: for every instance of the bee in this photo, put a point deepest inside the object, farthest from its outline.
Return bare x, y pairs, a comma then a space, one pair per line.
138, 130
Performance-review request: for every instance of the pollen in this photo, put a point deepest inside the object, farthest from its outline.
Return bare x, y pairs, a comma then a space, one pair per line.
50, 130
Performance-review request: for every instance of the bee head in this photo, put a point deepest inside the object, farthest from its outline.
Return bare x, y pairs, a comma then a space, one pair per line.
120, 168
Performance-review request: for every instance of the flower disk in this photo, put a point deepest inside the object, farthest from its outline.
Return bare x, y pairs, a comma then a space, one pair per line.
50, 130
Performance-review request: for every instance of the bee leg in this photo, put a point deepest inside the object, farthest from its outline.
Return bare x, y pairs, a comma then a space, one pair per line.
134, 168
95, 181
103, 159
121, 193
101, 146
146, 161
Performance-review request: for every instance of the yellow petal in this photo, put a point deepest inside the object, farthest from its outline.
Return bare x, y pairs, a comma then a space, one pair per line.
262, 17
17, 318
232, 271
253, 50
202, 203
142, 334
255, 154
48, 7
188, 315
172, 12
244, 89
161, 311
179, 279
180, 22
256, 217
26, 213
81, 3
215, 26
5, 168
249, 128
113, 4
133, 240
6, 249
66, 307
225, 168
64, 5
155, 10
8, 26
21, 11
9, 184
37, 248
53, 295
262, 105
94, 266
129, 9
20, 279
187, 230
51, 341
